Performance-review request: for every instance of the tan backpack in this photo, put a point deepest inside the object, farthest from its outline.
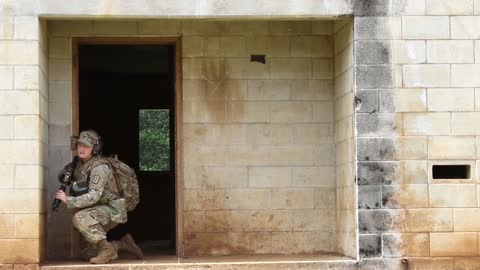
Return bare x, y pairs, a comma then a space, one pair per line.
127, 182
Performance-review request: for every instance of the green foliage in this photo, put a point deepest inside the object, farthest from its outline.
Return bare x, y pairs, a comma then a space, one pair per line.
154, 140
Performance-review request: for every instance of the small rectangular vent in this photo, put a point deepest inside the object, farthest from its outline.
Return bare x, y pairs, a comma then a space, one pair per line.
451, 171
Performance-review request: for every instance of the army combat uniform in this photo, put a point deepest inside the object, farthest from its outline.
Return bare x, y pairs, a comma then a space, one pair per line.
102, 207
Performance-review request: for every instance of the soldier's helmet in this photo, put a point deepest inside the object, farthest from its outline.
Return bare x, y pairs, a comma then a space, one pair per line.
92, 139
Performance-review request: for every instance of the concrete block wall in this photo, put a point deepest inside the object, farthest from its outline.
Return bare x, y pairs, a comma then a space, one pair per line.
345, 162
23, 136
417, 77
259, 146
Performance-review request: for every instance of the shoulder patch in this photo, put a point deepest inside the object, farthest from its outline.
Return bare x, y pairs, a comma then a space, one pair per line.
95, 179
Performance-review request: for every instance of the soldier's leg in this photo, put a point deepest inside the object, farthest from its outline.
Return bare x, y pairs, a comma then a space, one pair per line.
93, 223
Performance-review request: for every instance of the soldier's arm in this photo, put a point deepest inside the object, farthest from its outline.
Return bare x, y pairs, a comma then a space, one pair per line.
98, 179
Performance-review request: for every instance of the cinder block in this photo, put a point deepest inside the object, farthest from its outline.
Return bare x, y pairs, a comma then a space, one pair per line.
226, 46
372, 8
296, 112
288, 242
269, 220
465, 123
450, 51
467, 262
322, 69
205, 154
451, 147
20, 251
268, 90
343, 36
441, 195
25, 28
402, 148
26, 77
373, 52
323, 111
204, 112
8, 176
476, 7
466, 220
20, 201
293, 199
192, 46
344, 129
369, 197
429, 75
249, 199
415, 172
372, 221
6, 77
378, 27
344, 83
28, 226
24, 152
414, 7
29, 176
269, 134
408, 51
322, 27
379, 173
248, 112
379, 124
215, 199
311, 46
465, 27
251, 28
115, 27
344, 107
311, 90
346, 198
477, 50
429, 220
451, 99
193, 90
323, 176
426, 123
290, 27
465, 75
273, 177
314, 220
291, 68
7, 127
344, 153
445, 7
160, 27
215, 134
6, 27
344, 60
60, 69
273, 46
225, 221
426, 27
242, 68
453, 244
325, 197
406, 244
7, 226
59, 47
209, 69
27, 127
370, 246
367, 101
403, 100
374, 77
70, 28
19, 52
194, 221
405, 196
325, 241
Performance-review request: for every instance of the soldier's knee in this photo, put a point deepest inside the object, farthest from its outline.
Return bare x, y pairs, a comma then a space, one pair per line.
76, 219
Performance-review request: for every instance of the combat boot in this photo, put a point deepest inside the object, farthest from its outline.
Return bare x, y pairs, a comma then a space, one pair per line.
106, 253
128, 244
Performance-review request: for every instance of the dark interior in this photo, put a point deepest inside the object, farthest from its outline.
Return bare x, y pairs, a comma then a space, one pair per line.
115, 83
451, 171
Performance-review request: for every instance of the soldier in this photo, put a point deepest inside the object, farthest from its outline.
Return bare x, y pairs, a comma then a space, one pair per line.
101, 206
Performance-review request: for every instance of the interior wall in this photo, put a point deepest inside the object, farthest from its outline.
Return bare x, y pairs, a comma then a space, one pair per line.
345, 138
259, 146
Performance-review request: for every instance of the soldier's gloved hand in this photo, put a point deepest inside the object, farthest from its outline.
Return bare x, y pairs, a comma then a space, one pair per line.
61, 196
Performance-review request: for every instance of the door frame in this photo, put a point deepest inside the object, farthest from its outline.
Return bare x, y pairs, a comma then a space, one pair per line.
178, 96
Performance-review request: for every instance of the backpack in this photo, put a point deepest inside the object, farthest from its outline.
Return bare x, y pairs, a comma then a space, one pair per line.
126, 180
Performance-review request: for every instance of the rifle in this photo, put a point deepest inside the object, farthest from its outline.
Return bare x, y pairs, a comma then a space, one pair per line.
66, 180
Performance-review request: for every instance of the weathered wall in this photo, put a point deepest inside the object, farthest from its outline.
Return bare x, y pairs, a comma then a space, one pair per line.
345, 138
23, 135
259, 152
417, 71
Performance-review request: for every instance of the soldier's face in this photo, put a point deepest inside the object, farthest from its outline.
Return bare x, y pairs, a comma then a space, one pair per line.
84, 152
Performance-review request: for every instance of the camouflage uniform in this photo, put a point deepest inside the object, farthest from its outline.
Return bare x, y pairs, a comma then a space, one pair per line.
102, 207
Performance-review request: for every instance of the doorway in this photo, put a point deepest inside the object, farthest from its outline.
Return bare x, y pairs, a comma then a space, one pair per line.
126, 92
